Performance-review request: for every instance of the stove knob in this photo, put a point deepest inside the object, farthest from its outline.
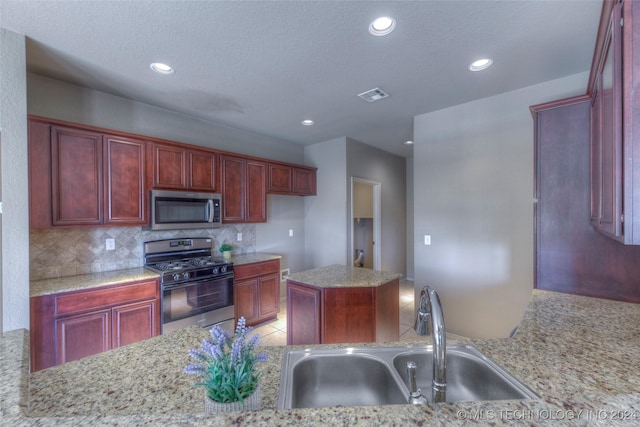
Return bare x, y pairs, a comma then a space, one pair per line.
175, 276
223, 269
214, 270
185, 275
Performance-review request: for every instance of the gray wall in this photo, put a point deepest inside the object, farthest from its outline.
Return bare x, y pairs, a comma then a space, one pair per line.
59, 100
410, 220
473, 177
327, 221
14, 228
365, 161
326, 215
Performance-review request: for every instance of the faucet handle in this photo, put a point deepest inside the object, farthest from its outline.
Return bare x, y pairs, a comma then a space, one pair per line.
415, 394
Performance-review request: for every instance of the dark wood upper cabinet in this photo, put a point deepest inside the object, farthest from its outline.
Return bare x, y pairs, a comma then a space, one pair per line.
304, 181
203, 169
280, 178
233, 189
256, 191
124, 180
76, 169
243, 190
291, 180
169, 167
180, 168
79, 177
606, 135
615, 124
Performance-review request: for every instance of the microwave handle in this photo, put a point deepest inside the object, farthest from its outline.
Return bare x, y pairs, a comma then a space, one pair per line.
210, 210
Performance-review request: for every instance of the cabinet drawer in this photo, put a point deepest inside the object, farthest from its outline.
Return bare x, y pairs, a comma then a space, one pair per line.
91, 300
256, 269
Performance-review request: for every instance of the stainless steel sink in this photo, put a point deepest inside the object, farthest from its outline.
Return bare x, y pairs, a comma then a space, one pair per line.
315, 378
471, 376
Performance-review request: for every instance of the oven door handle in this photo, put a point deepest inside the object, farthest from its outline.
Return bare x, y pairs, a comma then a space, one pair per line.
195, 282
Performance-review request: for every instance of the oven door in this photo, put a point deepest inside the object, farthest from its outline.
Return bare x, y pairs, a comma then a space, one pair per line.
204, 302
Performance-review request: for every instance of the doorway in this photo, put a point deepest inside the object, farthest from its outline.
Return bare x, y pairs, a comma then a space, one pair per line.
365, 223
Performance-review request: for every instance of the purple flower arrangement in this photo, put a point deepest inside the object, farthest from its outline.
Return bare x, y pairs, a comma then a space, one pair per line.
227, 364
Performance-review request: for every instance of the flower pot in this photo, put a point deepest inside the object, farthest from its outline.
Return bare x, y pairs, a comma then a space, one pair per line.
226, 254
251, 403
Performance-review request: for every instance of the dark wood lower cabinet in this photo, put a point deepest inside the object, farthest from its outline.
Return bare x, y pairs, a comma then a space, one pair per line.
70, 325
304, 314
257, 291
317, 315
82, 336
133, 322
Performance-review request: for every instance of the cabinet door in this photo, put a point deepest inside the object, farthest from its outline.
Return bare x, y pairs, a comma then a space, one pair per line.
268, 294
124, 180
202, 171
246, 299
256, 192
233, 189
595, 151
76, 176
303, 314
133, 322
169, 167
82, 335
304, 181
606, 157
280, 179
39, 175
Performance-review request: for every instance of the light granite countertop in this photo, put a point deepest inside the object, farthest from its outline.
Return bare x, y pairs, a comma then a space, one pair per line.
116, 277
580, 354
253, 258
89, 281
343, 276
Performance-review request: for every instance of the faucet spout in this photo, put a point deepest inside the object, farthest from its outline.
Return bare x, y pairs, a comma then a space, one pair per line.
430, 320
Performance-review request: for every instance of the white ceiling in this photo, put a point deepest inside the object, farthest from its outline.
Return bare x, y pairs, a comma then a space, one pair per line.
266, 65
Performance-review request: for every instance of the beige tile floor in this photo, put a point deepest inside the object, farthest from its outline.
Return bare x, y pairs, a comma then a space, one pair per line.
275, 332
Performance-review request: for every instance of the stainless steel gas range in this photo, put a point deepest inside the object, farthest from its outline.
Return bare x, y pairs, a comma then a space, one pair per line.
197, 289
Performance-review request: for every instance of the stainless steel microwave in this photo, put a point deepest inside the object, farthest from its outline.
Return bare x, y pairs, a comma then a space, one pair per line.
177, 210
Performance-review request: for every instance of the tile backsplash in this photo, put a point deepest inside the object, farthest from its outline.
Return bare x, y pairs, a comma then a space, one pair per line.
69, 252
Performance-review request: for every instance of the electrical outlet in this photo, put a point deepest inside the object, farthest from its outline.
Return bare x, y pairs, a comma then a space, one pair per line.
291, 232
111, 244
284, 274
239, 237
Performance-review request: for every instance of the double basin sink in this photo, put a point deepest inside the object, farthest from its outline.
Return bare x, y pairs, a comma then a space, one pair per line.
314, 378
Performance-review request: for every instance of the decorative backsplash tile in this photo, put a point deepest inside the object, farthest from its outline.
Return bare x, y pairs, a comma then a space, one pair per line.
68, 252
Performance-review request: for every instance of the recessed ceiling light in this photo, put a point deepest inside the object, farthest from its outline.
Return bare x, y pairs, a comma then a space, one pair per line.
408, 142
382, 26
161, 68
307, 122
481, 64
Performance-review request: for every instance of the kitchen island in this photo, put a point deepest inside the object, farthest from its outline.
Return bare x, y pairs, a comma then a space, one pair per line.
579, 354
342, 304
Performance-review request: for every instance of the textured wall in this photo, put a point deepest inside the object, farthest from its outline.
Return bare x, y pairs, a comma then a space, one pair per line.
473, 177
326, 214
364, 161
13, 158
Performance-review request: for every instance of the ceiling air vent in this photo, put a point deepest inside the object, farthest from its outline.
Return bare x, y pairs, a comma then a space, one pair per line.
373, 95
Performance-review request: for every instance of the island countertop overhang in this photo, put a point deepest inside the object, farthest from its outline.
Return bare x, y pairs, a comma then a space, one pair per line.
343, 276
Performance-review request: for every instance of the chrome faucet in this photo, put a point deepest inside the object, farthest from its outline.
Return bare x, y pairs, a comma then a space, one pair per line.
429, 320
